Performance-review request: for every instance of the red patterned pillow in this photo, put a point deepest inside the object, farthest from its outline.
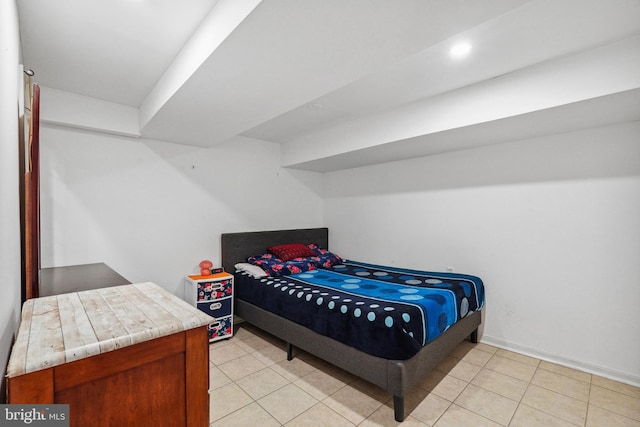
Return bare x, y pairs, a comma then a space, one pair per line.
291, 251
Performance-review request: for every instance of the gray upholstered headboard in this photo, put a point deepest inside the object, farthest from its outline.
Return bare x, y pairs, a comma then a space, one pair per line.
237, 247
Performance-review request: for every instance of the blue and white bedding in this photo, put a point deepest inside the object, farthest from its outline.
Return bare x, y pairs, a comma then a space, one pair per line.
384, 311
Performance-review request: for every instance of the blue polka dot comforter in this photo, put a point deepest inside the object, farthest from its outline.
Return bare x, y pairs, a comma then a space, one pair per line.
384, 311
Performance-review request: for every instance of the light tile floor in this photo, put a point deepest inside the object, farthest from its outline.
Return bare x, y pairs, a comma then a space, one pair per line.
252, 384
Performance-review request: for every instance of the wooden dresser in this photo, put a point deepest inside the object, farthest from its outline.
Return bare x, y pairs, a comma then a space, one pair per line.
129, 355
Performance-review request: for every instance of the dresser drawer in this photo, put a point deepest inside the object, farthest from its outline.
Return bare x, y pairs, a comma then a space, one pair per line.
221, 328
214, 289
217, 308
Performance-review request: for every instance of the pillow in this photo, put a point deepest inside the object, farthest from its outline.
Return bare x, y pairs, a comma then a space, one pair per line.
253, 270
324, 258
291, 251
276, 267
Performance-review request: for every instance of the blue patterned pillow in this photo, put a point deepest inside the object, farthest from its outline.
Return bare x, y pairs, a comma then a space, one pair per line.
323, 257
275, 267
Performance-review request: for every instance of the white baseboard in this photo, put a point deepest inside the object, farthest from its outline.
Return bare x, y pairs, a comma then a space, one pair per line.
612, 374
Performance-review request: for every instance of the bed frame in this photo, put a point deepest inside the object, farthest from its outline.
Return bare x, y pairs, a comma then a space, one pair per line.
395, 376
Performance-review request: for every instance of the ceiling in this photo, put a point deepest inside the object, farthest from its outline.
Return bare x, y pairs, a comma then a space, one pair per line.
335, 81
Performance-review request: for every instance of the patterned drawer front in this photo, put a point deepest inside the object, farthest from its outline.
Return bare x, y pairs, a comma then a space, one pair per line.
222, 328
214, 289
216, 308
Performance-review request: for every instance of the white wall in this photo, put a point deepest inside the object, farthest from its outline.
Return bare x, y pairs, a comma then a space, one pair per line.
152, 210
552, 225
10, 82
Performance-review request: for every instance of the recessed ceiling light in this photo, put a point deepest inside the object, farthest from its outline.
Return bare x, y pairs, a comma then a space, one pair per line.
460, 50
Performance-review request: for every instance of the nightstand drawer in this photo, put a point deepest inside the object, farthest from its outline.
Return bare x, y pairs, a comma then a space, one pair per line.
216, 308
214, 289
221, 328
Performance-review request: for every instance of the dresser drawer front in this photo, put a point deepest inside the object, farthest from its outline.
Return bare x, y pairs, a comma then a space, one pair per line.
221, 328
217, 308
214, 289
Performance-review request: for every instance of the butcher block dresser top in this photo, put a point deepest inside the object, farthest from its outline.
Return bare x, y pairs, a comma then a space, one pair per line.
63, 328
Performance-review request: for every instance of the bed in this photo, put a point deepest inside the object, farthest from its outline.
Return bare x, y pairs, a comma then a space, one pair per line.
396, 368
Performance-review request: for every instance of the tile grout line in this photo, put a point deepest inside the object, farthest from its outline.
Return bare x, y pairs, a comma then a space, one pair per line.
553, 391
586, 414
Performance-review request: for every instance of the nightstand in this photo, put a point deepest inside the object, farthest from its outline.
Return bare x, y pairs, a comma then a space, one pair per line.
213, 295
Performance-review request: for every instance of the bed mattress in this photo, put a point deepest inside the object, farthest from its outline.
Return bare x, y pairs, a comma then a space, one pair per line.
387, 312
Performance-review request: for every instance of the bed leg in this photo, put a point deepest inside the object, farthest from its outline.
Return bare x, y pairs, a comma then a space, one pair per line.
474, 336
398, 408
289, 351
